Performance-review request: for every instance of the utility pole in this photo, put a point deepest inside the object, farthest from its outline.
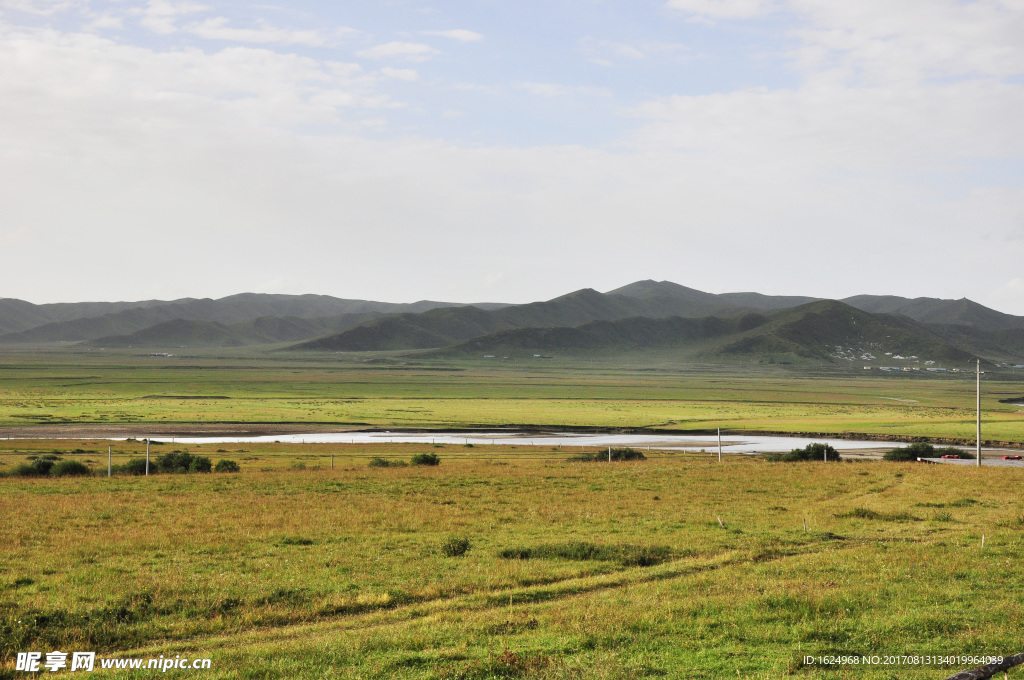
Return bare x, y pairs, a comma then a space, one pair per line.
719, 445
978, 451
108, 461
147, 457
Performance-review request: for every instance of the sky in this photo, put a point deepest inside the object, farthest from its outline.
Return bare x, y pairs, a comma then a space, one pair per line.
490, 150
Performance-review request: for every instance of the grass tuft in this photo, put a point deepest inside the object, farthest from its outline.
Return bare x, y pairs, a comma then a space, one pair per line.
626, 555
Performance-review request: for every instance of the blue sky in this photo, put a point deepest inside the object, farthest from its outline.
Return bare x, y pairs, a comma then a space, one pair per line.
511, 150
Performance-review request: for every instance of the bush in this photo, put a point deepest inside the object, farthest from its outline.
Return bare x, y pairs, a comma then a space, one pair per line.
39, 467
455, 546
134, 466
426, 459
200, 464
617, 455
911, 453
810, 452
30, 470
225, 465
70, 468
181, 462
377, 461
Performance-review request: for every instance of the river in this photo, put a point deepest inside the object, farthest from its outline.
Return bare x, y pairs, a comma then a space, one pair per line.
730, 443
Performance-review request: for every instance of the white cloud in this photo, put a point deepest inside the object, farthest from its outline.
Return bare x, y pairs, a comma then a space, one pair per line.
217, 29
406, 74
830, 126
607, 52
42, 7
399, 50
261, 153
460, 34
723, 9
556, 90
105, 21
912, 39
160, 16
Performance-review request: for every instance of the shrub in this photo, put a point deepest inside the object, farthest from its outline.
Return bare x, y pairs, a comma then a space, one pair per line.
28, 470
426, 459
811, 452
176, 461
70, 468
455, 546
200, 464
181, 462
617, 455
225, 465
134, 466
40, 467
911, 453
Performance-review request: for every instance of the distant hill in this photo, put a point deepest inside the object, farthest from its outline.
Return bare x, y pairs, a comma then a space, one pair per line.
261, 331
708, 303
619, 335
76, 322
18, 315
831, 331
176, 333
325, 323
442, 327
822, 331
961, 312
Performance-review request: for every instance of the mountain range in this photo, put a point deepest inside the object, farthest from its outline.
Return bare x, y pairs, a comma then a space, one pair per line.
640, 316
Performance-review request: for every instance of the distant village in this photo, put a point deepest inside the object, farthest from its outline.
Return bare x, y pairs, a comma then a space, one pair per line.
852, 354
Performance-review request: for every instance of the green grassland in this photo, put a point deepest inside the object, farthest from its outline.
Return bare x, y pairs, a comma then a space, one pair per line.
310, 563
292, 569
351, 391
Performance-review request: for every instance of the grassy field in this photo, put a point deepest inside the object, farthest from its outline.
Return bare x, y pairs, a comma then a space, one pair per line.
140, 392
311, 563
574, 570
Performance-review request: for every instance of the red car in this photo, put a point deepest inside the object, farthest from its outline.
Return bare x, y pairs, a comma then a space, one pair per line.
1012, 458
952, 455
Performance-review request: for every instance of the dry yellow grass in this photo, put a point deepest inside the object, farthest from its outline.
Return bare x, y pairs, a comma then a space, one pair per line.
315, 573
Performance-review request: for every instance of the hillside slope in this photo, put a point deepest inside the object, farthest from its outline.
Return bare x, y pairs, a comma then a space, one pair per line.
35, 323
261, 331
833, 331
440, 328
961, 312
819, 331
